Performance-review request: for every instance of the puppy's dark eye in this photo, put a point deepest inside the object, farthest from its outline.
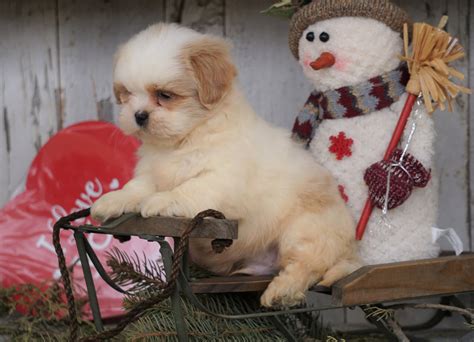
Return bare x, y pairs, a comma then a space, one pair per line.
163, 95
324, 37
310, 36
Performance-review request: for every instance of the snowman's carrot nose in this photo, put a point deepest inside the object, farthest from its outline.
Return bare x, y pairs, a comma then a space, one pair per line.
326, 60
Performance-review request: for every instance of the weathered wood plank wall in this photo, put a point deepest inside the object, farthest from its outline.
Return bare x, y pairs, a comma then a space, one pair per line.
85, 64
28, 84
56, 62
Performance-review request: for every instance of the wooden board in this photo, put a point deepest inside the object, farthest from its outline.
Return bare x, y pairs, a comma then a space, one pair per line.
406, 280
206, 16
231, 284
270, 76
136, 225
372, 284
28, 86
239, 284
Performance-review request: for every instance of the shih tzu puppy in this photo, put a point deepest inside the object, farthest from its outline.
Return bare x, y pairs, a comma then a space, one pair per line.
204, 147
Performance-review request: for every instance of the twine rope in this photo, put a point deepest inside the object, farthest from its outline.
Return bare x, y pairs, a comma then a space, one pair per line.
65, 276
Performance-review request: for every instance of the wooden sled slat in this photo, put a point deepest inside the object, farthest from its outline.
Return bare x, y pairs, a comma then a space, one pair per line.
135, 225
239, 284
372, 284
231, 284
406, 280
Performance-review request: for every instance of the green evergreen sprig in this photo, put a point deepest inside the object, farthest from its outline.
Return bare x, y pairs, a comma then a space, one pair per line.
285, 8
31, 312
137, 275
145, 277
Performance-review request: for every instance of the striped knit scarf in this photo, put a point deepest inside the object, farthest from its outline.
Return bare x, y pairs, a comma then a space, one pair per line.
347, 102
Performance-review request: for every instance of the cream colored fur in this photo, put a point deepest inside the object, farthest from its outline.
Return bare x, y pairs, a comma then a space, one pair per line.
217, 153
365, 48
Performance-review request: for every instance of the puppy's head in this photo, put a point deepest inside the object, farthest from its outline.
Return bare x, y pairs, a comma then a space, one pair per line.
169, 79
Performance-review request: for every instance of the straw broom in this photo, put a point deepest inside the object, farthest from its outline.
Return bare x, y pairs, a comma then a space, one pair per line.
432, 52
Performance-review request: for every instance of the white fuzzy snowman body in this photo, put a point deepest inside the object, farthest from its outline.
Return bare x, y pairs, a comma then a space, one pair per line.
364, 48
408, 234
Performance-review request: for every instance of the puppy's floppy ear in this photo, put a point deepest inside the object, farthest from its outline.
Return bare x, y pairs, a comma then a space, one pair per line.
118, 89
211, 64
121, 93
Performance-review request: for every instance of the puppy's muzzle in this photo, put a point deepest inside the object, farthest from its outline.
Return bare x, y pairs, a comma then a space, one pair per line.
141, 118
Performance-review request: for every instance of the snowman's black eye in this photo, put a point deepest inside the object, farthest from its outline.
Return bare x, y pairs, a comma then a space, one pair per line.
324, 37
310, 36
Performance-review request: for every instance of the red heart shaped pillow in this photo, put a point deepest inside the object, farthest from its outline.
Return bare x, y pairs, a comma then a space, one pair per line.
70, 172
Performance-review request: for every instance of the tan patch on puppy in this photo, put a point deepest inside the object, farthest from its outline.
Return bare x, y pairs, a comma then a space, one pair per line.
121, 93
212, 67
315, 247
319, 193
163, 97
182, 86
173, 95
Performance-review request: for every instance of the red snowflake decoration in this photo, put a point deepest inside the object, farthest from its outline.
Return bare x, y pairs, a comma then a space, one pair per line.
342, 191
341, 145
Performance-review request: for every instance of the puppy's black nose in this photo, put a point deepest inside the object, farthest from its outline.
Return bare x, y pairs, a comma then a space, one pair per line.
141, 118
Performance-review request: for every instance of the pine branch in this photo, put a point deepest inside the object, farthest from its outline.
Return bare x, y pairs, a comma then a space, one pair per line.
37, 312
159, 322
130, 271
380, 313
145, 278
285, 8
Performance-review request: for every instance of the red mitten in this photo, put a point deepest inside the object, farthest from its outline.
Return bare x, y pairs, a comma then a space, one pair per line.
402, 180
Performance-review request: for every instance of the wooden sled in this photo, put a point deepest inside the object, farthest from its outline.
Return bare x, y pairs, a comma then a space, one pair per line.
368, 288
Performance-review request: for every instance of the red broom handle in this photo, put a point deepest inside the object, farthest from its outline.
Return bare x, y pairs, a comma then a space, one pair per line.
397, 134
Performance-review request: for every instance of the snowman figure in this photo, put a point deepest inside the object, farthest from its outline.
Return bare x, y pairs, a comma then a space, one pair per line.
349, 50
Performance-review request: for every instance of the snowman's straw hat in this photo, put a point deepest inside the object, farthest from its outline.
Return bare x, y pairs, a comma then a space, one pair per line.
318, 10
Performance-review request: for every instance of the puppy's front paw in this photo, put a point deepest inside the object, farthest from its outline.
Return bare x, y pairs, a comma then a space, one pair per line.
112, 204
163, 204
282, 293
